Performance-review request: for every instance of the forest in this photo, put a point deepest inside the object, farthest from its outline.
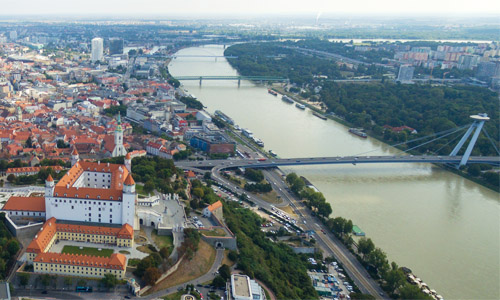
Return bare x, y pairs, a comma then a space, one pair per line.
275, 264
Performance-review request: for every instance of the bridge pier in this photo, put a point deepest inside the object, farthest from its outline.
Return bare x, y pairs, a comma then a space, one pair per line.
239, 82
476, 126
200, 80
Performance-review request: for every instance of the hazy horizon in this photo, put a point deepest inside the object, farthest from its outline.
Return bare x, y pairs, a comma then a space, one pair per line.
256, 8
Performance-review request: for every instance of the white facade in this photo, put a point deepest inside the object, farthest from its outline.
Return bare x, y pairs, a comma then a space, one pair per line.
97, 49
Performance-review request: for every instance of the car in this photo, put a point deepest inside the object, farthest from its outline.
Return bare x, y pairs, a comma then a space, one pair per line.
127, 297
199, 285
44, 292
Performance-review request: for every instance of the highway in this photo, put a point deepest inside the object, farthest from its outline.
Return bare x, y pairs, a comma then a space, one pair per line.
331, 245
276, 162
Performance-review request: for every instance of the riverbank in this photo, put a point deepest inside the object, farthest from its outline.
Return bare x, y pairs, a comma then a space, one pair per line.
396, 205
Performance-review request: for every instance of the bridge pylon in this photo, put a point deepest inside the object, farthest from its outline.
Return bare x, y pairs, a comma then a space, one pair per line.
475, 127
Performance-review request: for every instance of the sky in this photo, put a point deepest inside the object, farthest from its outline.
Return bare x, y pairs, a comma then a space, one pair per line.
239, 7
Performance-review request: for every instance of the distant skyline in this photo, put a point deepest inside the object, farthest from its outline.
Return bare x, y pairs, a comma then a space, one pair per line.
188, 8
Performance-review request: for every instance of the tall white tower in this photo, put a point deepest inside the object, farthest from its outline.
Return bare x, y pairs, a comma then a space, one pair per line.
119, 149
128, 162
75, 157
97, 49
128, 203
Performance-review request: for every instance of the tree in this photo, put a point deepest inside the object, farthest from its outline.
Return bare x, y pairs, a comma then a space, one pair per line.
165, 252
68, 281
81, 282
378, 259
24, 278
232, 255
149, 186
219, 281
198, 192
474, 170
365, 246
13, 247
225, 272
109, 280
45, 279
11, 178
151, 275
394, 278
409, 291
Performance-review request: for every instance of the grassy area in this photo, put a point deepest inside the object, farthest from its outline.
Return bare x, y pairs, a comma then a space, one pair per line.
124, 252
163, 240
270, 197
133, 262
144, 249
139, 188
226, 260
214, 232
87, 251
176, 296
188, 270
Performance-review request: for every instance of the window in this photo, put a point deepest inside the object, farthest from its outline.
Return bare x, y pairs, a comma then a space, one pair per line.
110, 210
90, 214
72, 207
99, 209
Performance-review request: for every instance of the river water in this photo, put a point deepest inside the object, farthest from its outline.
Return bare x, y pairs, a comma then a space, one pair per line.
442, 226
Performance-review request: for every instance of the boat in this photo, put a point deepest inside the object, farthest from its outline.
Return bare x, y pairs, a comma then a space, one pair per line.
272, 153
359, 132
259, 142
319, 116
287, 99
299, 105
272, 92
224, 117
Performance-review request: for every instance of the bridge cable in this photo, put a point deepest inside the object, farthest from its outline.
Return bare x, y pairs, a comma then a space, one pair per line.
451, 141
491, 140
431, 141
453, 130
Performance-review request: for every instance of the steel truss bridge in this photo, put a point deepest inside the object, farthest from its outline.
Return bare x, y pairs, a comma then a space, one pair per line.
237, 77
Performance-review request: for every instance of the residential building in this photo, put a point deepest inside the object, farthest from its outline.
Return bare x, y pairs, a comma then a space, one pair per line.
115, 46
97, 49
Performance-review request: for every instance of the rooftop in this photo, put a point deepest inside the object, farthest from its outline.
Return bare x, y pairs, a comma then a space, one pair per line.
240, 286
116, 261
25, 204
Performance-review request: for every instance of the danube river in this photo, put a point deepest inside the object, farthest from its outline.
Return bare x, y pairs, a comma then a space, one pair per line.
442, 226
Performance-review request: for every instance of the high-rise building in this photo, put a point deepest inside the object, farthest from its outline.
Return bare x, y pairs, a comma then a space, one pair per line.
115, 46
97, 49
13, 35
405, 73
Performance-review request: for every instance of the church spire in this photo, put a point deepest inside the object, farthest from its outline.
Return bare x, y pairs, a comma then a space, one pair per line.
119, 122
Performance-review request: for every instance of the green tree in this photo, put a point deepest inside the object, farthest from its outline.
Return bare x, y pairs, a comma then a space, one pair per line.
68, 281
225, 272
474, 170
165, 252
151, 275
11, 178
13, 247
109, 280
219, 281
365, 246
409, 291
81, 282
149, 186
45, 279
394, 278
24, 278
378, 259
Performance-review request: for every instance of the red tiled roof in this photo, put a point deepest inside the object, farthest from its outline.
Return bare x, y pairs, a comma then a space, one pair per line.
214, 206
25, 204
116, 261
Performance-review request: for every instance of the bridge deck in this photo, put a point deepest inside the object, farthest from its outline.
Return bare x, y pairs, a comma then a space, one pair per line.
254, 163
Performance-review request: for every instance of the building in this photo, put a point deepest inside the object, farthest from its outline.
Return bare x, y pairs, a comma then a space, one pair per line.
80, 265
115, 46
405, 73
214, 209
119, 149
242, 288
92, 192
4, 291
97, 49
30, 170
22, 207
13, 35
213, 143
54, 230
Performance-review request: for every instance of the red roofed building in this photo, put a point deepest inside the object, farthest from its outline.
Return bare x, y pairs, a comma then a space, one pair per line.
25, 206
214, 210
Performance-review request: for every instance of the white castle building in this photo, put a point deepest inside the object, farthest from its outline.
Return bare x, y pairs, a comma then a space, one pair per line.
92, 192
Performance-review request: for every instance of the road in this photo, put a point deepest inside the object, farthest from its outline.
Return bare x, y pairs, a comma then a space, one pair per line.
204, 278
221, 164
329, 243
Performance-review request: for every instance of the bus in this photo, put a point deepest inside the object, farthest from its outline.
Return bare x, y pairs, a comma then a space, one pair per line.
85, 289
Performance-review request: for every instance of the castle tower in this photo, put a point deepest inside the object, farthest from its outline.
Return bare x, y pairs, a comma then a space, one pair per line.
128, 205
119, 149
75, 157
19, 113
49, 186
128, 162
